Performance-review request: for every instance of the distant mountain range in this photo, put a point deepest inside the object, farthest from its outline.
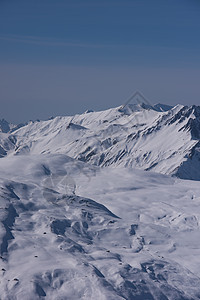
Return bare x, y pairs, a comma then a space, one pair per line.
159, 138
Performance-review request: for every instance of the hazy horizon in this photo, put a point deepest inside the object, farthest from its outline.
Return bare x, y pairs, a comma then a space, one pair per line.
63, 57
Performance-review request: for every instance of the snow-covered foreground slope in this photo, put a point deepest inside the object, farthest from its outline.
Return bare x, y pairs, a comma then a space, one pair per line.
140, 136
70, 230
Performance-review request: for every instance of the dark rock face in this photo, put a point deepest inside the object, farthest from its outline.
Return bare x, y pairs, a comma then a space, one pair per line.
4, 126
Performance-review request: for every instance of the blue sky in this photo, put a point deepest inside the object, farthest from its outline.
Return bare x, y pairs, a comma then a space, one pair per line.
60, 57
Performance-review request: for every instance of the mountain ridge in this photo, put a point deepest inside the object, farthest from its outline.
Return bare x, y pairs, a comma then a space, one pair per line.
138, 136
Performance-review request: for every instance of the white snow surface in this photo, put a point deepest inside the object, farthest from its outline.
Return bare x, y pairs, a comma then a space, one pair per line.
144, 138
76, 225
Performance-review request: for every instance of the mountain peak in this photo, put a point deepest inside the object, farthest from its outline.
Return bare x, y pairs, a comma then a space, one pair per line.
162, 107
134, 107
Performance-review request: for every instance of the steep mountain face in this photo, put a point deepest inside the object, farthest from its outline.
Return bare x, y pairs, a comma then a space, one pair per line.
6, 127
7, 143
159, 138
7, 139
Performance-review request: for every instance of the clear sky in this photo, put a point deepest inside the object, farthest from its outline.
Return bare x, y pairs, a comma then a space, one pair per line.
61, 57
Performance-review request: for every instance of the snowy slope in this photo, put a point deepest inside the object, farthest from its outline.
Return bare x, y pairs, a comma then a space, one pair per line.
7, 143
79, 220
70, 230
159, 138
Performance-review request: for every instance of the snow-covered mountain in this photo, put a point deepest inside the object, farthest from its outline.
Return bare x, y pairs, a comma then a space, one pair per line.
70, 230
160, 138
78, 220
6, 127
